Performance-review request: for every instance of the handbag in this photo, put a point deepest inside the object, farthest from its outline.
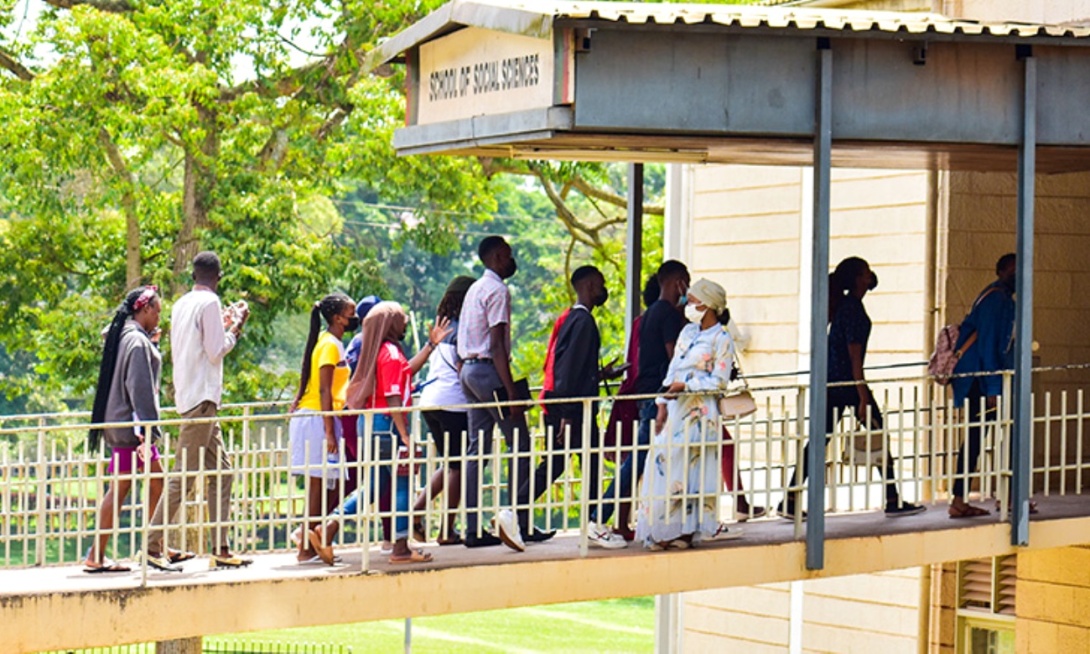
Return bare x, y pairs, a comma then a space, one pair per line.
740, 403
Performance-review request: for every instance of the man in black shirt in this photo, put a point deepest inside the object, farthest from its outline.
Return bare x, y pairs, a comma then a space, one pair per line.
575, 375
659, 329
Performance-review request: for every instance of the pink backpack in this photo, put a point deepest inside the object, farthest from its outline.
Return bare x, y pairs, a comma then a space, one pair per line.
943, 359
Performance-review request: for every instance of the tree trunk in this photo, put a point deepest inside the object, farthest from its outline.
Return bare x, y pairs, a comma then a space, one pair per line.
200, 179
179, 646
134, 274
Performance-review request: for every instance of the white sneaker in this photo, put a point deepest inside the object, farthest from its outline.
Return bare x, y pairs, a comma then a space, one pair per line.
297, 536
723, 533
507, 529
604, 537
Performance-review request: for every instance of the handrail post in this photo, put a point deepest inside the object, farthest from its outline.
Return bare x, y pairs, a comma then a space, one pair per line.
584, 488
42, 486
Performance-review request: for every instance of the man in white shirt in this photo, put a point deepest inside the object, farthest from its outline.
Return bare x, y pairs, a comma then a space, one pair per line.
200, 337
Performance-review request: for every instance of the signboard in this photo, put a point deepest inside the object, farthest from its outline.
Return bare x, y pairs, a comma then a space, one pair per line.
474, 72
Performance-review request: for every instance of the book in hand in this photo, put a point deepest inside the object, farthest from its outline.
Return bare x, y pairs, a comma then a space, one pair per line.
522, 392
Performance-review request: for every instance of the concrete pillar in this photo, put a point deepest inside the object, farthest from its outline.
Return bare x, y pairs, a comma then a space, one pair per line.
179, 646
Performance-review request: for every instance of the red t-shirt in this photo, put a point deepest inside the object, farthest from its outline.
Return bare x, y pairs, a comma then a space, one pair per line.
392, 377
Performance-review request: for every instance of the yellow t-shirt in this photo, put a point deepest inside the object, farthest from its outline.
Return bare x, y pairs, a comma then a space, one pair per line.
328, 351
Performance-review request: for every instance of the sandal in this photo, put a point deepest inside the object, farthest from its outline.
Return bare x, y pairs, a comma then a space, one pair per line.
420, 534
966, 511
678, 544
1032, 507
92, 568
325, 553
177, 556
415, 556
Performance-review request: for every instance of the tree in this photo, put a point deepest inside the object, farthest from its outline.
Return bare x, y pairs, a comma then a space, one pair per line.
141, 141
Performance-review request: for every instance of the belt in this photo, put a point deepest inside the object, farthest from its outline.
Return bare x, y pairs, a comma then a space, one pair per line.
477, 360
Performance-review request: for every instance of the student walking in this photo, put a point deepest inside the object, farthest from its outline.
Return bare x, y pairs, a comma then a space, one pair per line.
679, 495
849, 332
315, 440
201, 336
448, 424
484, 347
985, 344
127, 391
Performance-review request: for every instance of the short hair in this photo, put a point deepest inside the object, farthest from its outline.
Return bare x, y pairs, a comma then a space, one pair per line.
583, 272
671, 269
489, 244
651, 290
206, 266
1007, 259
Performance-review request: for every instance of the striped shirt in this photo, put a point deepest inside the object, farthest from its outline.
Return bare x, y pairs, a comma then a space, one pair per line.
487, 304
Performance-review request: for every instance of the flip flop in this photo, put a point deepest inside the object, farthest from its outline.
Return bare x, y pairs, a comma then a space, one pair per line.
678, 544
415, 556
325, 552
106, 566
420, 535
969, 511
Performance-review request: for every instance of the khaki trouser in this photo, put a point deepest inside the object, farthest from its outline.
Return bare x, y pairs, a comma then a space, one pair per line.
188, 460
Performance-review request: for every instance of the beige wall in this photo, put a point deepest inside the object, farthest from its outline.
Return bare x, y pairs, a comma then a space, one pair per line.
861, 613
750, 231
1053, 600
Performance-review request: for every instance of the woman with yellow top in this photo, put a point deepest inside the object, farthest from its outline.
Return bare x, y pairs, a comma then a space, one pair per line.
315, 439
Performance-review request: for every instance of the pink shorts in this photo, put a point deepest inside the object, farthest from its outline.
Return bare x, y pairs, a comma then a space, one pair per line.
122, 457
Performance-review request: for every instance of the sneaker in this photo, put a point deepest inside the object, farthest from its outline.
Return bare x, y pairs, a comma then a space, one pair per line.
725, 533
485, 540
539, 535
604, 537
895, 510
787, 511
508, 530
297, 536
753, 513
162, 563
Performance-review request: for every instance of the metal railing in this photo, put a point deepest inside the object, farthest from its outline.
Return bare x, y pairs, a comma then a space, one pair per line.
50, 486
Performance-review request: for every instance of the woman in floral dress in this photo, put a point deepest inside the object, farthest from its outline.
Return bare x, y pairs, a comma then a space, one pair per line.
679, 494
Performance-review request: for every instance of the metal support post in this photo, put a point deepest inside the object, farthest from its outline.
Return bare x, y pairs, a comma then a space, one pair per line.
634, 247
1021, 477
819, 308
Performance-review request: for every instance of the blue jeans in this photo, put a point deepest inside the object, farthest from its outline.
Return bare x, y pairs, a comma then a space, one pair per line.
623, 478
384, 452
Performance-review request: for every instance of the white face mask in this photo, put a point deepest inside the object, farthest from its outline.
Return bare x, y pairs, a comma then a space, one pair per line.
693, 314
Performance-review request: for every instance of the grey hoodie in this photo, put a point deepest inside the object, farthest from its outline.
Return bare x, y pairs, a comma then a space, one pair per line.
135, 386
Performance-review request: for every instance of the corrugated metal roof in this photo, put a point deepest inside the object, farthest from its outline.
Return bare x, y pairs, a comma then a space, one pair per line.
800, 18
535, 18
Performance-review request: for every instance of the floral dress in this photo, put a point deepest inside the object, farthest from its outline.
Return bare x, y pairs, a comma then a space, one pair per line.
679, 494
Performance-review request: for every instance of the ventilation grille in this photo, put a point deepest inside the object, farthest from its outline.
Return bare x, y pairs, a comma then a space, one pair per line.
988, 584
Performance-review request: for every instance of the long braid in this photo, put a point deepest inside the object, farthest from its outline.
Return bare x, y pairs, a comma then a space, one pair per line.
110, 348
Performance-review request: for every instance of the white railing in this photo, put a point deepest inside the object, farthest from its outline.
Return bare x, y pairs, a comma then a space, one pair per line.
50, 486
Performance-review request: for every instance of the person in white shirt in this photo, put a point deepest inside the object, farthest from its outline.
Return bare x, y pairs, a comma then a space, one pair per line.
201, 336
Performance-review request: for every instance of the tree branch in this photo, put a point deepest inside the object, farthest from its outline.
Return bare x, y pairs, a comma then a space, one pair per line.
590, 191
110, 6
12, 65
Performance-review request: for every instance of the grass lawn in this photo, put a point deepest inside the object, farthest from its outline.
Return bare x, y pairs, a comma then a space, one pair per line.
622, 625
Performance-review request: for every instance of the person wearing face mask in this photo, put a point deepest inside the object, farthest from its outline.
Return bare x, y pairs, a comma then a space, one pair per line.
323, 383
679, 495
985, 344
849, 332
659, 329
484, 353
575, 375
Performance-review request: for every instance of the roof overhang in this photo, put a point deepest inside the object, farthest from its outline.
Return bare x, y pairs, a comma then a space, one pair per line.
735, 84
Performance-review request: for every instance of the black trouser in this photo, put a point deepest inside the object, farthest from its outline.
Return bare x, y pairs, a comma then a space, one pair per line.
973, 442
837, 400
551, 467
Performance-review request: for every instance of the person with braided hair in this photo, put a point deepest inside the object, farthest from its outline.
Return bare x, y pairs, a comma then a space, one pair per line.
127, 391
323, 383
